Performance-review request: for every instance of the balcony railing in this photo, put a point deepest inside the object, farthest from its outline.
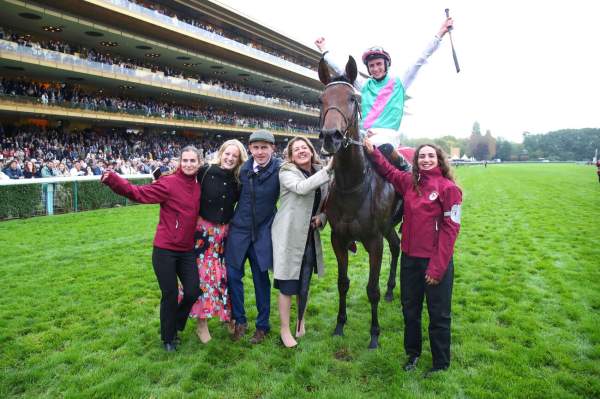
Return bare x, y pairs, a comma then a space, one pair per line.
196, 31
242, 122
38, 54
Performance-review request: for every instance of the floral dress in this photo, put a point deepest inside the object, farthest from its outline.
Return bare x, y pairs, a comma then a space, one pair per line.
210, 260
209, 247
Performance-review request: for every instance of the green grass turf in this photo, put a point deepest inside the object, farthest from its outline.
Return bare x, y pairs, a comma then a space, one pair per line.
79, 308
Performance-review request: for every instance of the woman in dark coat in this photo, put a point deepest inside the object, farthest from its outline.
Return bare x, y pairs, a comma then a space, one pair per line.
30, 171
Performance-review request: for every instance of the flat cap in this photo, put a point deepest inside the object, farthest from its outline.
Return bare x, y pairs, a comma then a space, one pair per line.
262, 135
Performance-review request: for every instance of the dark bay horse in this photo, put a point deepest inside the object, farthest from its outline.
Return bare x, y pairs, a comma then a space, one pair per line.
361, 205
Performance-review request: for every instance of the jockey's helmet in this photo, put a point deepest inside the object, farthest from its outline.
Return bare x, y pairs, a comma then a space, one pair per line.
374, 53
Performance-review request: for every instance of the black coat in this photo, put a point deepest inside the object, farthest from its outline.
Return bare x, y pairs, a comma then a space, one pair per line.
220, 192
253, 216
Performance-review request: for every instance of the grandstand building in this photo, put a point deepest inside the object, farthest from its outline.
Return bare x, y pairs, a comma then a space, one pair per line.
186, 67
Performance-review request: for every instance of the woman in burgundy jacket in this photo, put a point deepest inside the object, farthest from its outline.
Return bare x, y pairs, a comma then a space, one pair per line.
431, 221
173, 255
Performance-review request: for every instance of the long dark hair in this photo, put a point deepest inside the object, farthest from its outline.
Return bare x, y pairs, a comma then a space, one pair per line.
33, 168
443, 164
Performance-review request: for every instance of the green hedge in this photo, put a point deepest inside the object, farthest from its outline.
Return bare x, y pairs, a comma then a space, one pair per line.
22, 201
30, 200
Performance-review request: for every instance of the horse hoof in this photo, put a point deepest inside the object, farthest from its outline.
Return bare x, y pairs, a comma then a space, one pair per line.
339, 331
389, 296
374, 343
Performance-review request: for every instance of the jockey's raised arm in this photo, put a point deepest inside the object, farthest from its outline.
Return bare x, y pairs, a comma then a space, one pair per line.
382, 94
409, 74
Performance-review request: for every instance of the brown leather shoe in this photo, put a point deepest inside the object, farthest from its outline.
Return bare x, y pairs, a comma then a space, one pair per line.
239, 332
230, 326
258, 337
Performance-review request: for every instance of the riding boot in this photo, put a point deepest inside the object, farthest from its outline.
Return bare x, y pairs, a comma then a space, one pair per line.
394, 157
399, 162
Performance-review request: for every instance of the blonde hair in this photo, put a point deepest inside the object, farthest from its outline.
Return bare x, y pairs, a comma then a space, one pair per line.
242, 158
314, 158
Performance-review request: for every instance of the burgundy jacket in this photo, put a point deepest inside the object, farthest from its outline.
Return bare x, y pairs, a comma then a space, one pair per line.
179, 199
431, 219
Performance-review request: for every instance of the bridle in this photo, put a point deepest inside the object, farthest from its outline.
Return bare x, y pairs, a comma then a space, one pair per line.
346, 139
356, 114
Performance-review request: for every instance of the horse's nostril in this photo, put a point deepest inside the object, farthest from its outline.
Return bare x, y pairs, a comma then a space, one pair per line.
329, 132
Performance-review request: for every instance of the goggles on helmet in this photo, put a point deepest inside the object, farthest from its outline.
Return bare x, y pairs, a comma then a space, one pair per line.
376, 52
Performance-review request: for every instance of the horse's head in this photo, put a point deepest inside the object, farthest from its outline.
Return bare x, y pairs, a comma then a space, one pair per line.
340, 107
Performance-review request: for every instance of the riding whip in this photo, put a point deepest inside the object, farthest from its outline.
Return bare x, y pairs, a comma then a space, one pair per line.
451, 43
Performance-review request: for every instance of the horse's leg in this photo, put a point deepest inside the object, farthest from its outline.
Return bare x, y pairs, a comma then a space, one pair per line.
394, 244
341, 253
375, 249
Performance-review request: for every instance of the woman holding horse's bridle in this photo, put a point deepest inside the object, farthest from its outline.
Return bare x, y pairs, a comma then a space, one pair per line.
382, 95
431, 222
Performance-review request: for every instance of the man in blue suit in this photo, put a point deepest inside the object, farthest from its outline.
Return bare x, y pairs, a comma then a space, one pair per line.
250, 234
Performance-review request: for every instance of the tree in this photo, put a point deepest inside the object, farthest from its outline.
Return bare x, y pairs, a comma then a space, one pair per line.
481, 147
503, 150
475, 139
563, 145
481, 151
453, 142
491, 143
445, 143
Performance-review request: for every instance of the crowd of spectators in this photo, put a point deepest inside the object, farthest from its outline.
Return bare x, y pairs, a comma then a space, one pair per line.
73, 95
131, 63
34, 152
230, 34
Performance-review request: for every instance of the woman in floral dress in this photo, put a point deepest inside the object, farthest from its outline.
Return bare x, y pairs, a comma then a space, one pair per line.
219, 181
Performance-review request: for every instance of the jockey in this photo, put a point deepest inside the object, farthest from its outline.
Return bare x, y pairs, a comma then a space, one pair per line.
383, 95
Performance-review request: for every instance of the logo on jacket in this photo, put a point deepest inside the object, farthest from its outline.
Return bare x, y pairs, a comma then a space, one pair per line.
455, 213
433, 196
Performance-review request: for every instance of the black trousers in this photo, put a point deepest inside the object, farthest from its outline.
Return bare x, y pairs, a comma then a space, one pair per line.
413, 289
168, 265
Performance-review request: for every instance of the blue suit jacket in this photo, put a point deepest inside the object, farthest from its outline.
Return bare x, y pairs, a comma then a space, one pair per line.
253, 216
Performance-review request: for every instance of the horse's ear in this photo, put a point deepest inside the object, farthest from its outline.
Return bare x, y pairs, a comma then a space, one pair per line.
351, 70
324, 74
